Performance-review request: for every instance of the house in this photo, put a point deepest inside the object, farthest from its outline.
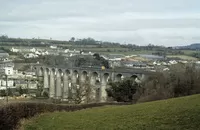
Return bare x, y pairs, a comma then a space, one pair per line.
6, 65
9, 83
30, 55
14, 50
33, 50
3, 54
66, 51
89, 53
115, 64
45, 53
113, 57
166, 69
9, 70
53, 47
173, 62
25, 84
29, 73
38, 53
135, 64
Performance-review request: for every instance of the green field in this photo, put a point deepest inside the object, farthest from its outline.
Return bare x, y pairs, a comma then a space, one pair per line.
183, 57
189, 52
177, 114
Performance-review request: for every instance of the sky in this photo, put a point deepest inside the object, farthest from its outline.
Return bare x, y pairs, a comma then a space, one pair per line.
140, 22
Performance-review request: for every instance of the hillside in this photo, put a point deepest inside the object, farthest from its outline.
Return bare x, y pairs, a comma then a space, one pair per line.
194, 46
180, 113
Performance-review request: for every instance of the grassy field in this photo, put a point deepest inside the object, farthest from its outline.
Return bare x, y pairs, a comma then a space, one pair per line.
183, 57
189, 52
180, 113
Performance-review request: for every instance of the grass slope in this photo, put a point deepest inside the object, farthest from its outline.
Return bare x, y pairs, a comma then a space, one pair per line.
180, 113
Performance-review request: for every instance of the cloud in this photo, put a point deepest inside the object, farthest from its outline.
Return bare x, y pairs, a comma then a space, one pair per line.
160, 22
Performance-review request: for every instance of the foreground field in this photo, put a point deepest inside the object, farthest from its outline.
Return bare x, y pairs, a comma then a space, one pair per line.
180, 113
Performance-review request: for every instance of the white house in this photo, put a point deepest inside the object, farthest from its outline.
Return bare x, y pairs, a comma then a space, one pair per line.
14, 50
33, 50
3, 83
166, 69
30, 55
91, 53
25, 85
67, 50
9, 83
173, 62
184, 62
9, 70
38, 53
53, 47
45, 53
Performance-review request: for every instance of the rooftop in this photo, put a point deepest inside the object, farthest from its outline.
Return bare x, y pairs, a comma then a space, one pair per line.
3, 53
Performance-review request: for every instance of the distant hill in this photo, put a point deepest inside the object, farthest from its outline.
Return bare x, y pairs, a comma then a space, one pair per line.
194, 46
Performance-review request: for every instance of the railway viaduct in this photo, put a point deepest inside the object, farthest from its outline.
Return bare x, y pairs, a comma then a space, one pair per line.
58, 81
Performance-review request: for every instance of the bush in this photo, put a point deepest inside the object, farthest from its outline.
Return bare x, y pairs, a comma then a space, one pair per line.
2, 93
123, 91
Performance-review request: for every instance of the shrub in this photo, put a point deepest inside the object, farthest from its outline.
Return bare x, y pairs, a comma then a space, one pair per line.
123, 91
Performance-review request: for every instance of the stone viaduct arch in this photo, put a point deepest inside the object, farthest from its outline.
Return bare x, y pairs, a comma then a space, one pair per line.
58, 82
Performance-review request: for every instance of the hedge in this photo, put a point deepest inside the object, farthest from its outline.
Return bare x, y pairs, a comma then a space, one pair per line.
11, 114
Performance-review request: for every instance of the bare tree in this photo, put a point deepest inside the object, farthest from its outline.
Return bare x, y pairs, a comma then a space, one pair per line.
81, 93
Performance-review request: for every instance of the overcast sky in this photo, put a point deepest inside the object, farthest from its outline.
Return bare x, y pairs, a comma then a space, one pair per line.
160, 22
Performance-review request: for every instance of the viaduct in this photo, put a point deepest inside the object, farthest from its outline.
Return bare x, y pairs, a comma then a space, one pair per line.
58, 81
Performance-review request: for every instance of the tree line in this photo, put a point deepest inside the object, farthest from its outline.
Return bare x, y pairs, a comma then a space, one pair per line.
181, 80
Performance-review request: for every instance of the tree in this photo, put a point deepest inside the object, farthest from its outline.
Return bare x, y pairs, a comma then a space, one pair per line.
80, 62
96, 56
123, 91
72, 39
2, 93
9, 92
180, 80
103, 61
81, 93
20, 90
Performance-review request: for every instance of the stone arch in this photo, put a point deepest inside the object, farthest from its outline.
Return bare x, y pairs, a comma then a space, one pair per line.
60, 71
75, 73
134, 76
47, 70
95, 74
53, 70
60, 75
75, 76
59, 84
84, 72
118, 77
84, 76
93, 78
105, 77
67, 72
